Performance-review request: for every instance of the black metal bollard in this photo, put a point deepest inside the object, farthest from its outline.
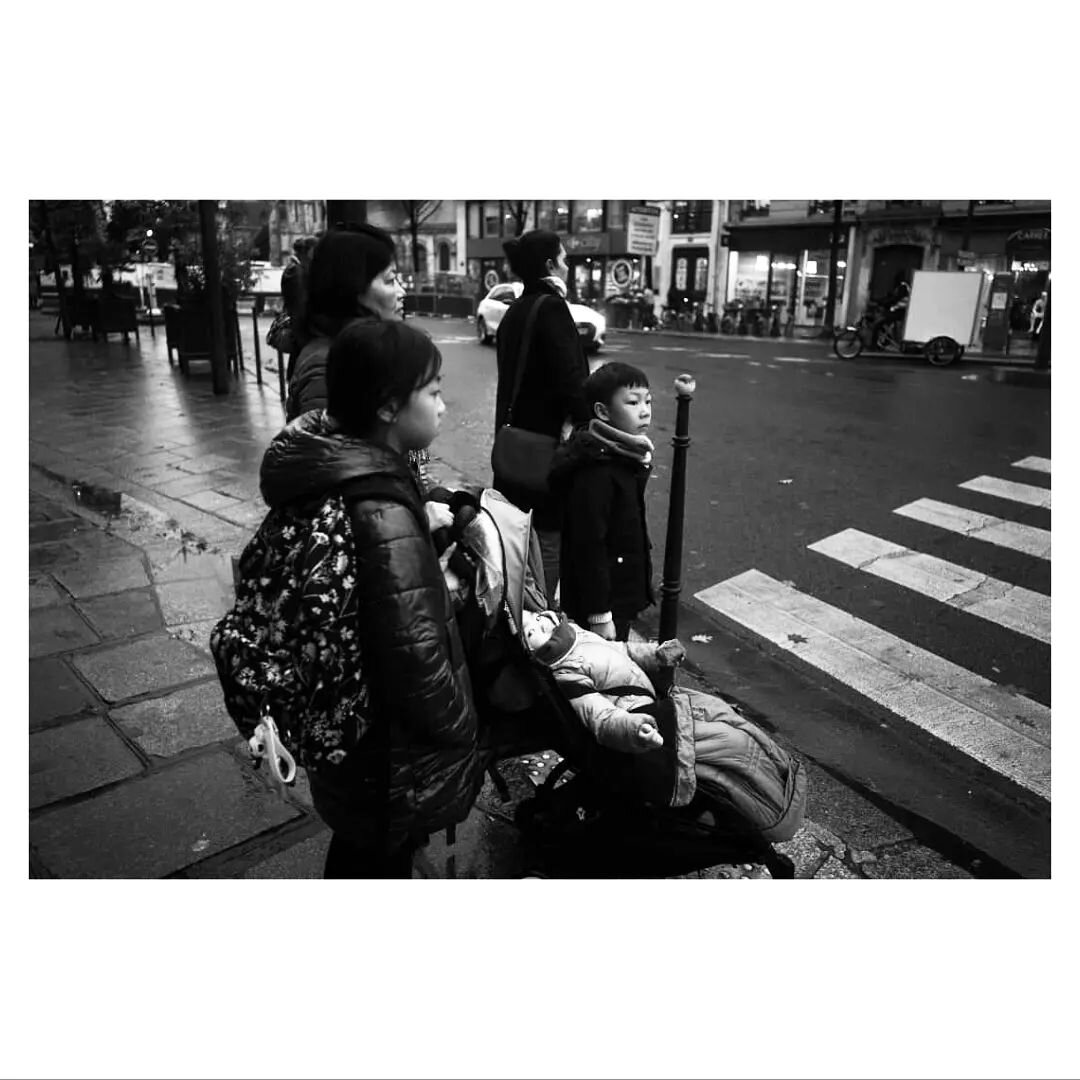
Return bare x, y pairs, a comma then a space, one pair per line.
258, 350
672, 582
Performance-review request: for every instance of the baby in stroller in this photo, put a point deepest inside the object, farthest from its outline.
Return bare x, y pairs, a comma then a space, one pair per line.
649, 782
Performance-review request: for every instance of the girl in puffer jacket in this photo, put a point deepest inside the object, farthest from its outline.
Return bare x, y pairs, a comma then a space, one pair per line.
394, 736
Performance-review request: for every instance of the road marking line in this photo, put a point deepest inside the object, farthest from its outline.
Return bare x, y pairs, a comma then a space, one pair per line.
1004, 731
669, 348
1038, 464
725, 355
1011, 606
1009, 489
1009, 534
793, 359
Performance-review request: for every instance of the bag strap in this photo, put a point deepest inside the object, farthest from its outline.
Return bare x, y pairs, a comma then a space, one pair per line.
573, 692
523, 355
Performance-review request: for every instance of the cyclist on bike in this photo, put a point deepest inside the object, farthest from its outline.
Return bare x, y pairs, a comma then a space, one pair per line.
893, 306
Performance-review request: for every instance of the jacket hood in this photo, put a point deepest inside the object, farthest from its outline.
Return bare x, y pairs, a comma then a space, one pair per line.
599, 442
312, 455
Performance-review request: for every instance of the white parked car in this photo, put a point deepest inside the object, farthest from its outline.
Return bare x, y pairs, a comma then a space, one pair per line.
591, 324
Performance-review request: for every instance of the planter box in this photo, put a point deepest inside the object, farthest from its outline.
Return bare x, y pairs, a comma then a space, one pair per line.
187, 332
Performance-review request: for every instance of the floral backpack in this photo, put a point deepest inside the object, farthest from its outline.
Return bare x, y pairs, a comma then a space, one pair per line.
287, 653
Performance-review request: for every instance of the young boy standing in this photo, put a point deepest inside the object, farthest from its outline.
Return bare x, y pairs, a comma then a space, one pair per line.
602, 471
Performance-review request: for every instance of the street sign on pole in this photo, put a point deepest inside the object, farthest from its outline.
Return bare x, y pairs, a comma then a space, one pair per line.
642, 230
149, 249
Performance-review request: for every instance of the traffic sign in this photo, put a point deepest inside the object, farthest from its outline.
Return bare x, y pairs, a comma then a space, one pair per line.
149, 248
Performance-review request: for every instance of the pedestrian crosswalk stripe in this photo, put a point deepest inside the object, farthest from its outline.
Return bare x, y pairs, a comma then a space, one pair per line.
1009, 534
1011, 606
1009, 489
1002, 730
1037, 464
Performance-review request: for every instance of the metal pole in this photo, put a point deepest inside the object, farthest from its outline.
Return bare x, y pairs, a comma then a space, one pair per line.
672, 583
258, 351
219, 364
834, 255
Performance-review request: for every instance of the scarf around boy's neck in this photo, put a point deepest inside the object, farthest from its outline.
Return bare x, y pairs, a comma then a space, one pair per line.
636, 447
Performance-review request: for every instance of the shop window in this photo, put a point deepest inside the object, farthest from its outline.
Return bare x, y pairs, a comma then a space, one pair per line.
691, 215
492, 214
680, 274
751, 274
616, 214
473, 213
814, 287
545, 215
562, 215
588, 215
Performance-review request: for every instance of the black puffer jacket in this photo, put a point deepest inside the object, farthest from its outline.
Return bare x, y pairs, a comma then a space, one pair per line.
307, 384
605, 562
552, 388
425, 725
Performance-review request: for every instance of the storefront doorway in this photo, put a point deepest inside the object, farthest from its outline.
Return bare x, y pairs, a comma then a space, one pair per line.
689, 276
889, 262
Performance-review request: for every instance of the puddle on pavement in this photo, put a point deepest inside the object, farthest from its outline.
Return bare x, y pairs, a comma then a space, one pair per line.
98, 498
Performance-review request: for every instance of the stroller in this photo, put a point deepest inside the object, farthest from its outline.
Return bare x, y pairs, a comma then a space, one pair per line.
585, 819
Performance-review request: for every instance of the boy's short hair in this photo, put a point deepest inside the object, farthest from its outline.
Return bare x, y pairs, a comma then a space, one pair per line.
601, 385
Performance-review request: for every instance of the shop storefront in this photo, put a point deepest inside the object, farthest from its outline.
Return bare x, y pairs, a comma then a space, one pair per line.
592, 230
1014, 250
787, 268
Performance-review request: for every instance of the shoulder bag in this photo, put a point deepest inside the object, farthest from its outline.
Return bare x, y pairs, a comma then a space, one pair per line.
523, 458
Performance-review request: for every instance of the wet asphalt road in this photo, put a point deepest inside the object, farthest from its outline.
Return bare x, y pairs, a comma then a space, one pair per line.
791, 445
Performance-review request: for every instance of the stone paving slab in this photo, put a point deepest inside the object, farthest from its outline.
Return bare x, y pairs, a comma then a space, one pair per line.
159, 823
55, 690
303, 860
97, 577
163, 726
158, 662
194, 601
44, 593
58, 629
170, 563
122, 614
196, 633
76, 757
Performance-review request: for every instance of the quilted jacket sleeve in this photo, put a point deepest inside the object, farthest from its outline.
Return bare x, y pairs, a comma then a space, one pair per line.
412, 654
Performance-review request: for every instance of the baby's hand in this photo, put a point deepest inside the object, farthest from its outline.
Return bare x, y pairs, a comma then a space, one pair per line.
648, 736
670, 653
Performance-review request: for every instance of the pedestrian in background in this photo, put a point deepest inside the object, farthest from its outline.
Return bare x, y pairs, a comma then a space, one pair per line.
352, 275
293, 294
391, 715
552, 385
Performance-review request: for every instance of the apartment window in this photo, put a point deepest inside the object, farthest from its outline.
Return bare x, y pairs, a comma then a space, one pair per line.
755, 208
616, 214
473, 212
691, 215
492, 214
588, 215
553, 215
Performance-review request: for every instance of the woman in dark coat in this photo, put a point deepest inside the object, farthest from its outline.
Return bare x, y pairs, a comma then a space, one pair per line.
352, 275
553, 385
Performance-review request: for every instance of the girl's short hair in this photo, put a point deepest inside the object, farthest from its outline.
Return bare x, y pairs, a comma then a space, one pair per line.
343, 265
528, 254
373, 362
601, 385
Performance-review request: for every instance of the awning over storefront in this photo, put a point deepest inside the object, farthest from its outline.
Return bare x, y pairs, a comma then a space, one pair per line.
781, 237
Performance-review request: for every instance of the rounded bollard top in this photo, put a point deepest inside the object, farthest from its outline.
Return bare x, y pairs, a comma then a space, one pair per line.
685, 385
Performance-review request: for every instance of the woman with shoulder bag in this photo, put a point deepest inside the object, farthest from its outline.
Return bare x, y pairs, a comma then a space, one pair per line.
542, 372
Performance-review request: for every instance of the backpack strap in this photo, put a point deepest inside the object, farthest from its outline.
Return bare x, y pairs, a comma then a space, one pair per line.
523, 355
